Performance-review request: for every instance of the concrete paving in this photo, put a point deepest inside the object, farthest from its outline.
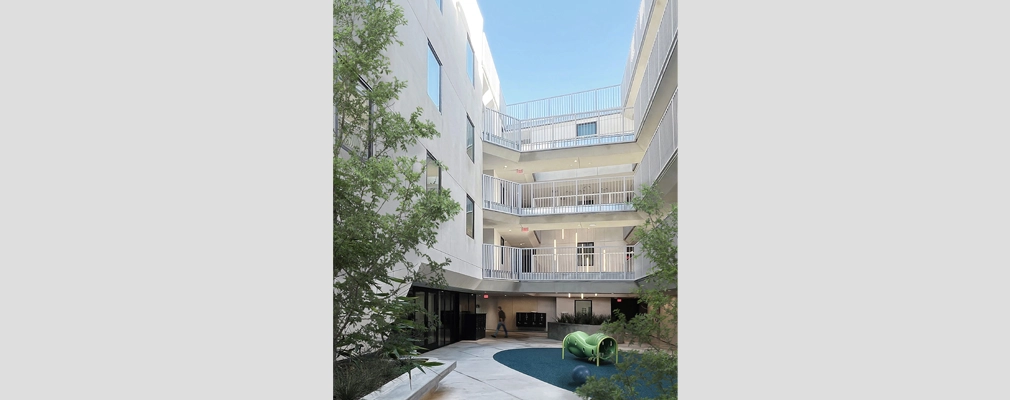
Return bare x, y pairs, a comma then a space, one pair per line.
478, 375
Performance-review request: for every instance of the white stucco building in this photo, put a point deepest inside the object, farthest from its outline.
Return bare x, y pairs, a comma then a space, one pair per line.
545, 185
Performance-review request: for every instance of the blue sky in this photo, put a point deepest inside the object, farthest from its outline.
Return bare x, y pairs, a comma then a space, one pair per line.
544, 48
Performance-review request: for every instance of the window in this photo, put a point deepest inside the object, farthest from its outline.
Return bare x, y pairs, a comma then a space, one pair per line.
369, 141
432, 174
469, 217
586, 129
469, 137
365, 144
434, 78
439, 2
584, 254
469, 60
502, 249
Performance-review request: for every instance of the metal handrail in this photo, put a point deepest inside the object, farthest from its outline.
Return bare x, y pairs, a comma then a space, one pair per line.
563, 263
570, 103
559, 131
559, 197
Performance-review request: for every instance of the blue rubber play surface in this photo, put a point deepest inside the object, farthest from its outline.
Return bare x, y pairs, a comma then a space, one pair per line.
546, 365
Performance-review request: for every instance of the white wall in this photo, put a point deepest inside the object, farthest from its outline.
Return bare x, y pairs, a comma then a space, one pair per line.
600, 236
447, 31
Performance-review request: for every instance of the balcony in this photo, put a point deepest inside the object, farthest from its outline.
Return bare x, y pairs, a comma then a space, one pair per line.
596, 263
559, 197
580, 119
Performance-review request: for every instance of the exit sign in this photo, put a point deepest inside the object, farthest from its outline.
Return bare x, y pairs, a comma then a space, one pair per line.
526, 229
485, 296
618, 300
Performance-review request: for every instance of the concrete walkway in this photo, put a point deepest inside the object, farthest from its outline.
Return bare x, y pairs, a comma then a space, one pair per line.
479, 376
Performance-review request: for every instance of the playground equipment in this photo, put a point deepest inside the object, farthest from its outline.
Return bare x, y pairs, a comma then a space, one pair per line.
579, 374
594, 347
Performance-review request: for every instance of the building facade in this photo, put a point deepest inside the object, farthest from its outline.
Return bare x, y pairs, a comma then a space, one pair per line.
545, 185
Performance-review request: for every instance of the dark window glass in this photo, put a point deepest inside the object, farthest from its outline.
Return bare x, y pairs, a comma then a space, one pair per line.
586, 129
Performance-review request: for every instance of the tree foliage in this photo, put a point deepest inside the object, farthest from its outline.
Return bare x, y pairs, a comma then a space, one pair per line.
657, 328
383, 217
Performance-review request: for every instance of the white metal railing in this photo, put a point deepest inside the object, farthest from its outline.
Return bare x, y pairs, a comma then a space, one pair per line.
563, 263
641, 23
657, 62
559, 197
642, 265
661, 148
502, 195
572, 103
559, 131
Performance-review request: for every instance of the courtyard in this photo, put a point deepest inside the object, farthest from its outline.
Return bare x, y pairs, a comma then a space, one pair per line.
478, 375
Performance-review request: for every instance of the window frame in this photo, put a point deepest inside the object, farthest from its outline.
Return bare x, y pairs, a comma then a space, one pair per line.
434, 55
471, 214
370, 140
471, 62
471, 143
585, 249
429, 161
593, 124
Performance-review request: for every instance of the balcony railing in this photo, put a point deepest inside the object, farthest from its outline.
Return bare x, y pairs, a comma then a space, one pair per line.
641, 23
559, 197
657, 62
587, 128
587, 101
661, 148
607, 263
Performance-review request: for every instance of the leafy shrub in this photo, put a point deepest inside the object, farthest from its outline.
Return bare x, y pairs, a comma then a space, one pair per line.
583, 318
357, 377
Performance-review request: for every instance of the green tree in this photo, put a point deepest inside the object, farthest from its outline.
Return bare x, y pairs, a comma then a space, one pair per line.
656, 328
383, 217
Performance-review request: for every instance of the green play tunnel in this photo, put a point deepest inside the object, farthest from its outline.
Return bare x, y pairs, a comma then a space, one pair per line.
594, 347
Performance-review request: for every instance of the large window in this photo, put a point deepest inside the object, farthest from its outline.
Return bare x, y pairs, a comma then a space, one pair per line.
469, 217
586, 129
434, 78
469, 60
432, 174
585, 254
469, 137
369, 141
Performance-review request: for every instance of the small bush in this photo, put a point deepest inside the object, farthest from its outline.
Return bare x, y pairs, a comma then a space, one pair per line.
583, 318
356, 378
